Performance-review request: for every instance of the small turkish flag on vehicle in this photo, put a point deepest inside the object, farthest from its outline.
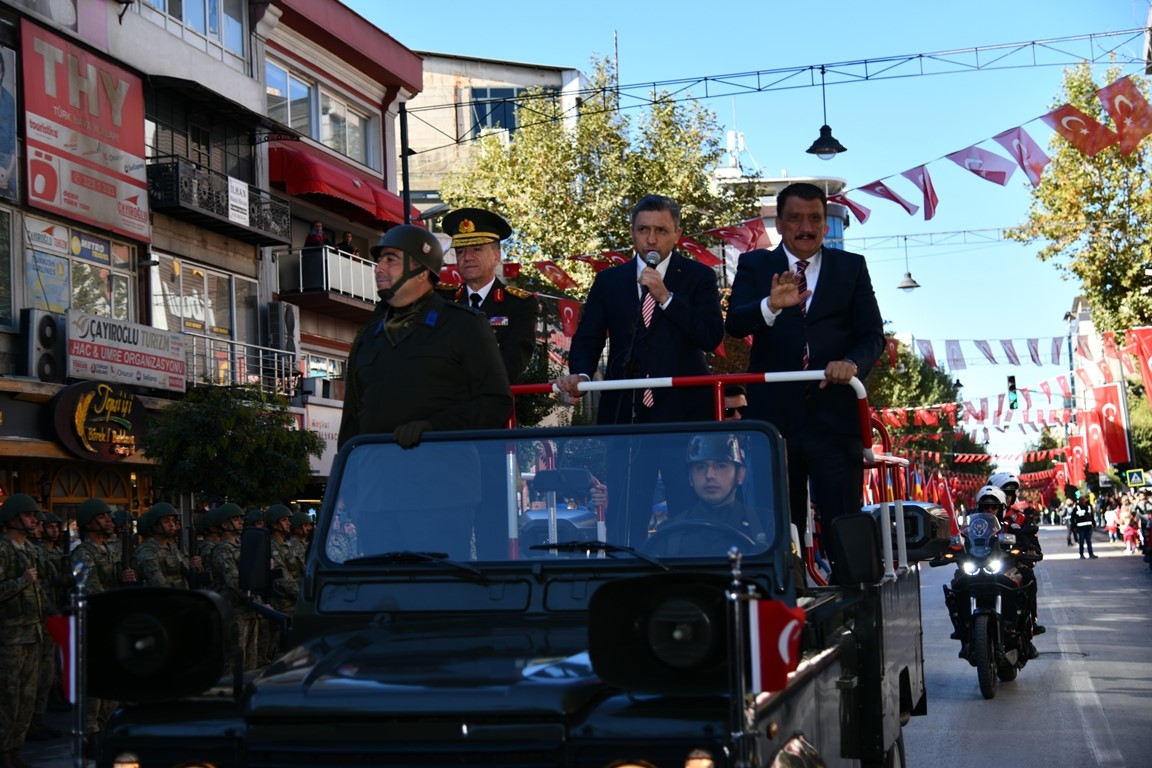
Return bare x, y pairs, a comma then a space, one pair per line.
774, 630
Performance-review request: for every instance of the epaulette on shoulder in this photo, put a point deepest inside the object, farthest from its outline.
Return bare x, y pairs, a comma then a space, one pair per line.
519, 293
448, 289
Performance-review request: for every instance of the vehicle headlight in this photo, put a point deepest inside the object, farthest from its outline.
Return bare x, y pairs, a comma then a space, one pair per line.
126, 760
970, 567
994, 566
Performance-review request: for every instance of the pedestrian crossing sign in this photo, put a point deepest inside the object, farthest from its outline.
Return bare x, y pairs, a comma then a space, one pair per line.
1135, 478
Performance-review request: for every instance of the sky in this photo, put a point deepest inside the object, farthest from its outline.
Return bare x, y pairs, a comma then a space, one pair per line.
973, 286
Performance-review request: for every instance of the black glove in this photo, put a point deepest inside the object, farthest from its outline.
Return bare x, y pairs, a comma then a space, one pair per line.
408, 435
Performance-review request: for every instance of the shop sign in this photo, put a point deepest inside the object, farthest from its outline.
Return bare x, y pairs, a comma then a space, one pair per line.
99, 421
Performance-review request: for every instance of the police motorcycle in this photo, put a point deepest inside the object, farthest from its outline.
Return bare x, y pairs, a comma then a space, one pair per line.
987, 600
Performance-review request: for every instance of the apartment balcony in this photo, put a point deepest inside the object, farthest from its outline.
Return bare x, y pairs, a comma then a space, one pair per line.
327, 281
185, 190
223, 363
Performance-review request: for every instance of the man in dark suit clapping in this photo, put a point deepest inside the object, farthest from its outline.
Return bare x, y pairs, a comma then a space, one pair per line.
660, 315
808, 307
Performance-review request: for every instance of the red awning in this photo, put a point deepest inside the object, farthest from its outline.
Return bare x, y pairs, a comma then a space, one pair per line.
306, 171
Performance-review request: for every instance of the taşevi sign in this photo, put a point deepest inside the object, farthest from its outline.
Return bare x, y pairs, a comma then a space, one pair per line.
98, 421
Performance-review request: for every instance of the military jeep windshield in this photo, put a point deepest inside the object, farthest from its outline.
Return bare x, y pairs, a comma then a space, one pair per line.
559, 496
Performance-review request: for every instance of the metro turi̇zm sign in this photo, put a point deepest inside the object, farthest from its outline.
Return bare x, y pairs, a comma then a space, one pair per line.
98, 421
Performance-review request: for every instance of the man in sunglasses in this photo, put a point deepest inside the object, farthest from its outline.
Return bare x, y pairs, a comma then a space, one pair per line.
735, 402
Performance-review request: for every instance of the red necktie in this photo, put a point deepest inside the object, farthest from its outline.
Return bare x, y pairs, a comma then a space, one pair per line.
801, 286
647, 310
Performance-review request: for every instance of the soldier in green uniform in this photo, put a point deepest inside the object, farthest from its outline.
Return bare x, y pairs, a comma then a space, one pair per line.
58, 587
423, 363
301, 526
229, 519
23, 607
209, 538
94, 523
39, 729
159, 561
511, 312
287, 567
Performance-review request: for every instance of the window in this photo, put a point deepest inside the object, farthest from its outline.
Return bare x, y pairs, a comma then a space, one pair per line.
496, 108
79, 271
192, 298
221, 21
343, 127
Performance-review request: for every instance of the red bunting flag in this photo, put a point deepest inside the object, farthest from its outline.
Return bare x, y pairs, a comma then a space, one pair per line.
987, 165
1034, 350
954, 355
1113, 422
774, 632
985, 350
1046, 388
860, 212
880, 189
701, 254
510, 270
740, 236
1081, 131
1077, 456
1010, 351
1065, 387
919, 176
1057, 345
892, 345
569, 316
1142, 340
1025, 152
596, 264
1082, 348
1129, 110
1097, 452
926, 352
555, 275
615, 258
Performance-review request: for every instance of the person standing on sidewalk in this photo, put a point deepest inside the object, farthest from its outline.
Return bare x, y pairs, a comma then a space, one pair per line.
1083, 522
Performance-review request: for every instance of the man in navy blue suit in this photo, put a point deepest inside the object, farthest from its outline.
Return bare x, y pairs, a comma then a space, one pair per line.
810, 307
671, 338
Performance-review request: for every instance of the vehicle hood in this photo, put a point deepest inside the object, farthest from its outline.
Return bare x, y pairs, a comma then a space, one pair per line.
430, 668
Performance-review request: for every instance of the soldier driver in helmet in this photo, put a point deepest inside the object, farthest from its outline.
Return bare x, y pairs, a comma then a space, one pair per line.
422, 363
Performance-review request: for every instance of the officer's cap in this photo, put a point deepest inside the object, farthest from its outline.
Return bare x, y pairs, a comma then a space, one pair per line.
475, 226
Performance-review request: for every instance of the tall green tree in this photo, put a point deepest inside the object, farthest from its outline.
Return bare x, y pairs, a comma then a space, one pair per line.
567, 183
1094, 214
231, 444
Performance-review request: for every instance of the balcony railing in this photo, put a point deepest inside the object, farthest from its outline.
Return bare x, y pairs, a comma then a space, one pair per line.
222, 362
323, 268
184, 189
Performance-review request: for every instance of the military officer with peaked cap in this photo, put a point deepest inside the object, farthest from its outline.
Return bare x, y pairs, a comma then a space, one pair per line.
511, 312
423, 363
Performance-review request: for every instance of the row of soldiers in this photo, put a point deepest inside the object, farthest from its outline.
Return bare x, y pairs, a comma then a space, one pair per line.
36, 578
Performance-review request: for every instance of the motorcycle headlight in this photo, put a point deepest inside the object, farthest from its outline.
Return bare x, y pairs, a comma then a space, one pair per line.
970, 567
994, 566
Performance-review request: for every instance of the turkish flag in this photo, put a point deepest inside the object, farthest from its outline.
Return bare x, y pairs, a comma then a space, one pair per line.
510, 270
597, 264
1081, 131
1097, 451
1034, 350
985, 350
1025, 152
926, 352
1077, 454
1142, 337
739, 236
987, 165
860, 212
759, 233
1010, 351
1061, 469
1082, 347
1113, 422
880, 189
555, 275
450, 275
1129, 109
926, 417
1065, 388
892, 344
774, 631
702, 254
919, 176
954, 354
615, 258
569, 316
1046, 388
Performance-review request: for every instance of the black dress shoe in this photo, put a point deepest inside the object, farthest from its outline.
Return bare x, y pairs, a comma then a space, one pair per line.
1039, 629
1032, 652
1094, 557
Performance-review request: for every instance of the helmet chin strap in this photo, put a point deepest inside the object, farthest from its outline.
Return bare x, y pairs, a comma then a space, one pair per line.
386, 294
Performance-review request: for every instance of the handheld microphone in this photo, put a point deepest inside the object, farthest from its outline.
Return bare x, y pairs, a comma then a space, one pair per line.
652, 258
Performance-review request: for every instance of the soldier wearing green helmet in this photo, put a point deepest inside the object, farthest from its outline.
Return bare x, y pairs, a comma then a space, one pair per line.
287, 569
421, 363
23, 607
302, 527
228, 518
102, 564
159, 561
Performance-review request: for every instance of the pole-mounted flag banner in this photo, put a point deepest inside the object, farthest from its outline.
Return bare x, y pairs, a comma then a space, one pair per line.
774, 633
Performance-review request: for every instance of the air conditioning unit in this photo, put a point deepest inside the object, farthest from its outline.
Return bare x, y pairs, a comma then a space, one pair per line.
43, 352
284, 326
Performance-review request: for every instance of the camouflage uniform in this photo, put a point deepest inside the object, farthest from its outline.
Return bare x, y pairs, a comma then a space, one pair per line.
103, 570
22, 612
225, 575
162, 564
288, 559
205, 552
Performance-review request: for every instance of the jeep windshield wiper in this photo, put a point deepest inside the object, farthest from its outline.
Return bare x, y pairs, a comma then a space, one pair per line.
411, 556
598, 546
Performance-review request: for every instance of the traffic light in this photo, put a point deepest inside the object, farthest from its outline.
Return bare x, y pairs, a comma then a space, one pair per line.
1013, 398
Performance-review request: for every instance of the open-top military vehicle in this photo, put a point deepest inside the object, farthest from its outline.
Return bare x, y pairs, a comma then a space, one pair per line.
498, 607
